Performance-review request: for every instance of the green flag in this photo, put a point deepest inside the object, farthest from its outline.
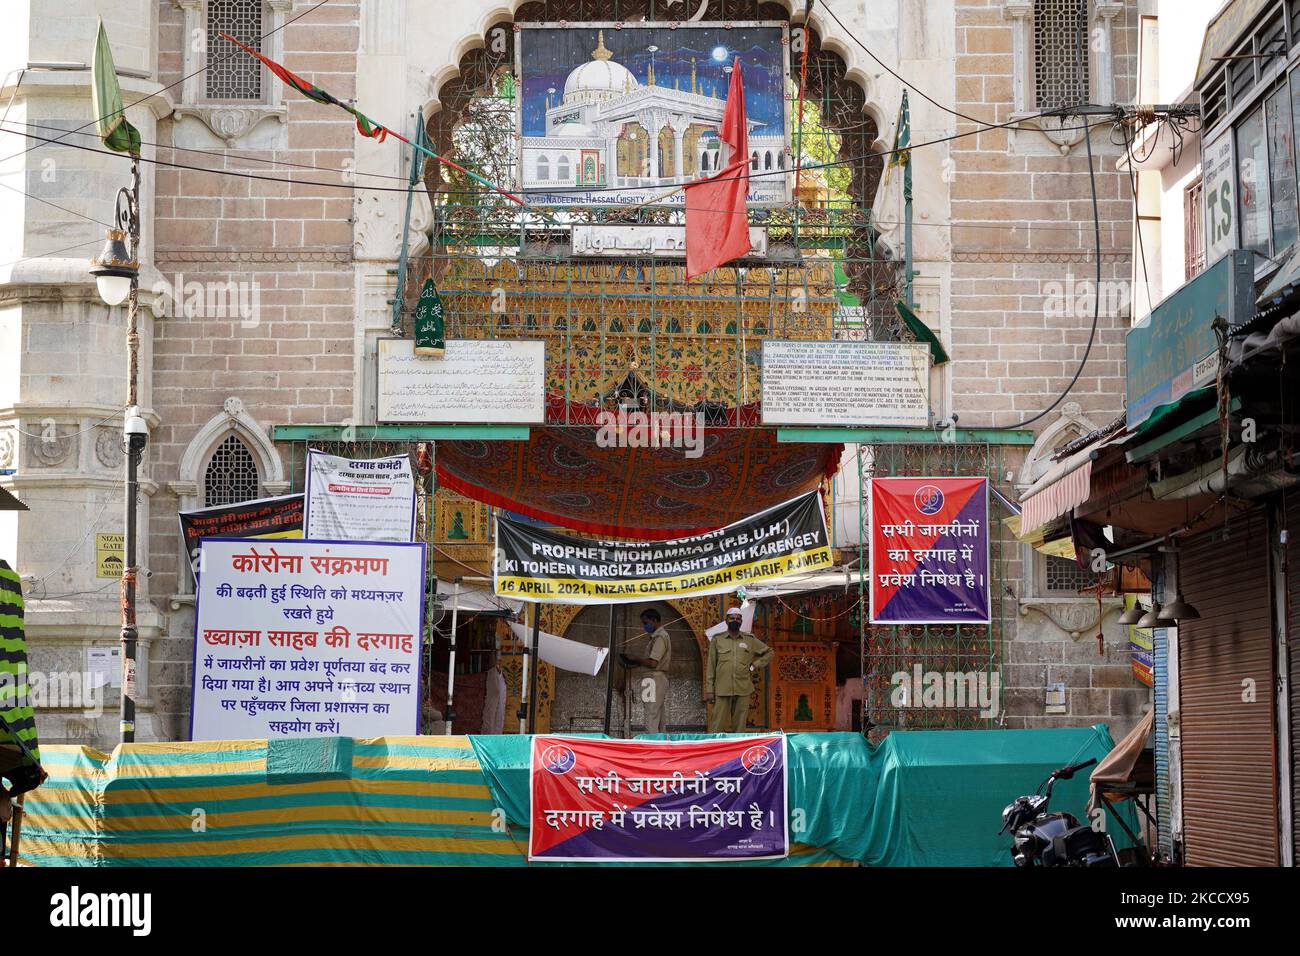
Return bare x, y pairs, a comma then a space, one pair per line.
430, 331
903, 135
106, 100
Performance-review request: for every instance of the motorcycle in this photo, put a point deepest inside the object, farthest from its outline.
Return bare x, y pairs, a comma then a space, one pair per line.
1054, 839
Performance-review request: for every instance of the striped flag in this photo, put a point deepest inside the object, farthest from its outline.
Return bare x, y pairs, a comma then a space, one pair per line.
365, 125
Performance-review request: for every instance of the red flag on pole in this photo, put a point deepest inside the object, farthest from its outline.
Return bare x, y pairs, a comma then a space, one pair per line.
717, 221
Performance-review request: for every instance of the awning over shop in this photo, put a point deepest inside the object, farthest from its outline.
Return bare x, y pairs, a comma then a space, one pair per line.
842, 578
562, 476
1066, 485
1036, 538
1057, 492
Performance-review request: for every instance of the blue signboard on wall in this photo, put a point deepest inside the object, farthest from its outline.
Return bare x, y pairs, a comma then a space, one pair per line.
1174, 349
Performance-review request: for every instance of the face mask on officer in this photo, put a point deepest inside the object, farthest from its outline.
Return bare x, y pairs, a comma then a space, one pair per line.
733, 624
649, 626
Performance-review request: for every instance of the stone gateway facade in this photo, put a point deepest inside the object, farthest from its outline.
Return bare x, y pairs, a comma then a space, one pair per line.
265, 292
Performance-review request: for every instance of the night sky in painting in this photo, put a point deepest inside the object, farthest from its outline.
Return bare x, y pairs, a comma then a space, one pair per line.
549, 55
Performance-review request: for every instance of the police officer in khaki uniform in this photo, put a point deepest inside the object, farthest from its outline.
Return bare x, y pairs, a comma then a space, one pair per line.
734, 655
652, 683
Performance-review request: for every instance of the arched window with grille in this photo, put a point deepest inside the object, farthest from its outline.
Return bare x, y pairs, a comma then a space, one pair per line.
562, 168
543, 168
231, 474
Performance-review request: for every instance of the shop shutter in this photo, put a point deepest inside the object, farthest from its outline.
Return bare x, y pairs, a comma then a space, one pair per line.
1293, 683
1160, 744
1229, 758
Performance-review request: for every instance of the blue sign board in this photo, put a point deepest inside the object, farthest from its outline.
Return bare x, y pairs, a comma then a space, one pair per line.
1174, 349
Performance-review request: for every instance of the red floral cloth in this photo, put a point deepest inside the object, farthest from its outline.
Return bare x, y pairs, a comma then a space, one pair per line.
562, 476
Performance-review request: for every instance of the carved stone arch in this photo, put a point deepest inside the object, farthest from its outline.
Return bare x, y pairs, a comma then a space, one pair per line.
1070, 424
855, 113
233, 419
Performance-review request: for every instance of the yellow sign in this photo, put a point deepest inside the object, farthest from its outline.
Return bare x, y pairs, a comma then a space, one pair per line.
108, 555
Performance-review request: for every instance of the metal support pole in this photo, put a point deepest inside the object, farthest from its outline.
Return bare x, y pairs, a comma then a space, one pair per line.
450, 715
532, 689
135, 442
522, 713
609, 674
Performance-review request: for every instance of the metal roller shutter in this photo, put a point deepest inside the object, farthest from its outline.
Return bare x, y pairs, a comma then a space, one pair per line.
1229, 760
1293, 607
1164, 783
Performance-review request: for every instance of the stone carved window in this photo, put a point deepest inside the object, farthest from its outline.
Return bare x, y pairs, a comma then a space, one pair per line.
1047, 72
224, 88
231, 475
232, 74
1064, 577
1061, 43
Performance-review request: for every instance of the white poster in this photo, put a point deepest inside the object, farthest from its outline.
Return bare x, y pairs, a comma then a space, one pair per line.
359, 499
104, 664
488, 381
847, 384
307, 639
1219, 175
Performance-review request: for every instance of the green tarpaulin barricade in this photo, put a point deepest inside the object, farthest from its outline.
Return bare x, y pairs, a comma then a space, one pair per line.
920, 798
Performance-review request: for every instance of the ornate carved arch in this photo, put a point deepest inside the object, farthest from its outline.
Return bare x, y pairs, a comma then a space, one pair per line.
1069, 425
556, 618
233, 419
836, 81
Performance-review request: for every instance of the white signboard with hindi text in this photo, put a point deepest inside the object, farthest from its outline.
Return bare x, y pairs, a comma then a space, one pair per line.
845, 383
488, 381
307, 639
370, 499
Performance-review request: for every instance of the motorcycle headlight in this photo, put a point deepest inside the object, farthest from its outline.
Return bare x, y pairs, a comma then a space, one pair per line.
1006, 814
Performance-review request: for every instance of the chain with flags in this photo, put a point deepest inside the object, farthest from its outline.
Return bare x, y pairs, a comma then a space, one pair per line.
368, 127
114, 130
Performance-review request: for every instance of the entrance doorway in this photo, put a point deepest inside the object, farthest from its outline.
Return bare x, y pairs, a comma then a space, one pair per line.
579, 702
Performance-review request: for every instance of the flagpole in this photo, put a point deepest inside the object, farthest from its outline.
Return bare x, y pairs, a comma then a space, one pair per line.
907, 210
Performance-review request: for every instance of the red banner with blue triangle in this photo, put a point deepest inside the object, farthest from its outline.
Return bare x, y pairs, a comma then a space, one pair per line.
721, 798
929, 550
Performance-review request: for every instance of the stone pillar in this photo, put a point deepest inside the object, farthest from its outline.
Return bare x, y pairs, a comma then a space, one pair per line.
63, 367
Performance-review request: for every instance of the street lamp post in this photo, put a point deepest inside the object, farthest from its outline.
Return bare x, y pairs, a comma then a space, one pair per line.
117, 276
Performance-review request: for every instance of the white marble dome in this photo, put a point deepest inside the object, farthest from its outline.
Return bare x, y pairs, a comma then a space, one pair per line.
599, 77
